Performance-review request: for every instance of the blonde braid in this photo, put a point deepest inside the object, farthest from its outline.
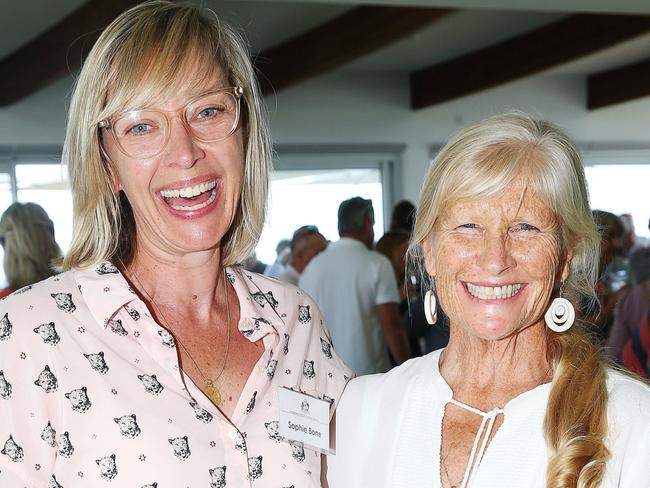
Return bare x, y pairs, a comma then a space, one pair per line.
576, 424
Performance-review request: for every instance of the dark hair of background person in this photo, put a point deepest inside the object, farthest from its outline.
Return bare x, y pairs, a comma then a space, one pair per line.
301, 233
388, 245
27, 235
610, 226
403, 217
352, 214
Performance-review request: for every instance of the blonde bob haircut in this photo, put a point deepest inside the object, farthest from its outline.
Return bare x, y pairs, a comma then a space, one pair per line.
480, 162
142, 58
27, 235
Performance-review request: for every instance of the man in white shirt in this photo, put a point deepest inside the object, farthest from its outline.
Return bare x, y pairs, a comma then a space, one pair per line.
306, 243
355, 288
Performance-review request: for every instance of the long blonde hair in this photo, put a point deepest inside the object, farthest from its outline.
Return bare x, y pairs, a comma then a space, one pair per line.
27, 235
479, 162
140, 59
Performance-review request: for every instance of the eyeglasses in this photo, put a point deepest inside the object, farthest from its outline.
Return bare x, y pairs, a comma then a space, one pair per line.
144, 133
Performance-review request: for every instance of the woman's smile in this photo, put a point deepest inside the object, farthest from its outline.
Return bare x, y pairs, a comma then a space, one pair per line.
193, 198
492, 293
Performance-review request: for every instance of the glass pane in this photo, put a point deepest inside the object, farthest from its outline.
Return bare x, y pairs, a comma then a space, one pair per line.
621, 188
47, 185
313, 197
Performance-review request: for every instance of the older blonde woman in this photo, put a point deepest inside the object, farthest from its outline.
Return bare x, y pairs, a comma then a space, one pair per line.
154, 359
519, 397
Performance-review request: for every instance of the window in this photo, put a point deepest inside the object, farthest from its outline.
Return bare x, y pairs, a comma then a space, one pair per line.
47, 185
302, 197
621, 188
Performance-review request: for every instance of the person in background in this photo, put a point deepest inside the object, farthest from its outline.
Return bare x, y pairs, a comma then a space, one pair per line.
154, 358
251, 263
357, 292
306, 243
612, 271
403, 217
30, 250
282, 256
640, 261
394, 244
520, 397
629, 311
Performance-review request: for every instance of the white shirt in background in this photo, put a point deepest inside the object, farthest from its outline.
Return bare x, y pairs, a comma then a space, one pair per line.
289, 275
348, 281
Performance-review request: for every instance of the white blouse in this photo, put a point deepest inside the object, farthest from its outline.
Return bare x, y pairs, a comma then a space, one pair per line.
389, 431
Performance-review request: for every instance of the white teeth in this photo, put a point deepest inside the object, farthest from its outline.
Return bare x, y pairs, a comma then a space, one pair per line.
198, 206
189, 192
493, 292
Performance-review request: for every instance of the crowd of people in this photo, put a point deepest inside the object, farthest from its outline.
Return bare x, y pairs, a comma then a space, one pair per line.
483, 327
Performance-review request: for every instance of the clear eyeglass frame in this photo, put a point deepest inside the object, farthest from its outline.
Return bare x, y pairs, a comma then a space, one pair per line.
109, 125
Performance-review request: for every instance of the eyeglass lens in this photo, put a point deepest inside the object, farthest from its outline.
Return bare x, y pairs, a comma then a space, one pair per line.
144, 133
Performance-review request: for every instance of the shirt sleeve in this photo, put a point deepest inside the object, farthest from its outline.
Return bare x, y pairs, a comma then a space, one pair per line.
387, 291
27, 416
324, 374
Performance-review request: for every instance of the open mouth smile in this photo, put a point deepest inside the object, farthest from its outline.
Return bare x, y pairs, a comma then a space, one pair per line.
493, 292
191, 198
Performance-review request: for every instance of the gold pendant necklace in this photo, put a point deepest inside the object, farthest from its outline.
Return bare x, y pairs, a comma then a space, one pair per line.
210, 388
212, 392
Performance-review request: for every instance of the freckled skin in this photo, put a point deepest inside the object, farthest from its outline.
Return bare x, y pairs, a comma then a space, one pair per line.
159, 232
511, 238
491, 242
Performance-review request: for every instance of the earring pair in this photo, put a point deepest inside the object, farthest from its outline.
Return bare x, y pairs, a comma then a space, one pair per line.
559, 317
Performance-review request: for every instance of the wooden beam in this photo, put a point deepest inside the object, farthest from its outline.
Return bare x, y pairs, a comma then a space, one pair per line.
543, 48
345, 38
618, 85
57, 51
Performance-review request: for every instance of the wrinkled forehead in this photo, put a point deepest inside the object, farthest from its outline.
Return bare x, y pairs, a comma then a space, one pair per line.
518, 199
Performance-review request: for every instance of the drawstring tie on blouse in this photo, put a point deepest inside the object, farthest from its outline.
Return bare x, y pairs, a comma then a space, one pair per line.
487, 425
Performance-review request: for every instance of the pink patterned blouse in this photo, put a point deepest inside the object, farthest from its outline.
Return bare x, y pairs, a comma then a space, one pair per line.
91, 394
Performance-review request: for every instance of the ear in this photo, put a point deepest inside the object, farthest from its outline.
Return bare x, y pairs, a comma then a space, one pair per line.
566, 266
429, 261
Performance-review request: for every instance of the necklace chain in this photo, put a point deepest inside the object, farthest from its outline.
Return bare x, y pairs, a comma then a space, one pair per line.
210, 388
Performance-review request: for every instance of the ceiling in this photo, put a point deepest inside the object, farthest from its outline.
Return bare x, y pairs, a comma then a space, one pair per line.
439, 48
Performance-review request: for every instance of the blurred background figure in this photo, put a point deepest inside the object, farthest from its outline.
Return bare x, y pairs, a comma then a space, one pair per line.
283, 255
631, 241
613, 271
403, 217
394, 244
639, 260
27, 236
251, 263
356, 289
305, 244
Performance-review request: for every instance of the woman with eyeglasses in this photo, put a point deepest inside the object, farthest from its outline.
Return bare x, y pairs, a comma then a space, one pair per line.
154, 359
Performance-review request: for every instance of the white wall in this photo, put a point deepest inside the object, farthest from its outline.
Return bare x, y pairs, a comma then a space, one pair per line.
373, 108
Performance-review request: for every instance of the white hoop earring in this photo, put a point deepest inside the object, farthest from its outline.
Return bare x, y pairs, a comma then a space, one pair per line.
560, 315
430, 310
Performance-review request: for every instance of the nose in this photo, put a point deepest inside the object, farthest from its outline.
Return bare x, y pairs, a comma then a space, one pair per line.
495, 254
182, 149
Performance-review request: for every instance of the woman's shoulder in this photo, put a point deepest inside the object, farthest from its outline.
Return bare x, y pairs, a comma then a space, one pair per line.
35, 293
629, 397
394, 384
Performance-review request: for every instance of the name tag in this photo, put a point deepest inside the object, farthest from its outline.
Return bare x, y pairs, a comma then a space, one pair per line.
305, 419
